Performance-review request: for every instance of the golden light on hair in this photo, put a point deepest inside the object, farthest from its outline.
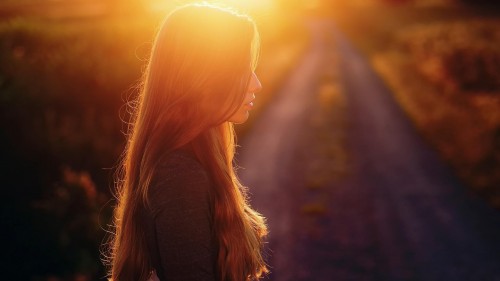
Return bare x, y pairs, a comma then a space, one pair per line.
197, 77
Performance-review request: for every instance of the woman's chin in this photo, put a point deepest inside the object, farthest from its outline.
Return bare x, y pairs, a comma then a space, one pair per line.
239, 118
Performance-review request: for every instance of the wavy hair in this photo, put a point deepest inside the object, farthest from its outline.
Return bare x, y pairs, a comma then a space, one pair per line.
198, 73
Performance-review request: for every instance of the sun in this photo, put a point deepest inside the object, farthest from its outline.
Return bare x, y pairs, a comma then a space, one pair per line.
252, 6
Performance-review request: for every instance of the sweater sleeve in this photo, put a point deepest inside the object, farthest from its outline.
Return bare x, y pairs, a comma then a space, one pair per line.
179, 197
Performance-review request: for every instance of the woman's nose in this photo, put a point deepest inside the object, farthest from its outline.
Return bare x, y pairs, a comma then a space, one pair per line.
255, 85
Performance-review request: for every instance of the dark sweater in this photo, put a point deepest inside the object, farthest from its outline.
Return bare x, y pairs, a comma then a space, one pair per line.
179, 221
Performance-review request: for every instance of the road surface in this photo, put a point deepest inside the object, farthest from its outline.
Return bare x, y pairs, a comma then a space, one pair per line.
400, 214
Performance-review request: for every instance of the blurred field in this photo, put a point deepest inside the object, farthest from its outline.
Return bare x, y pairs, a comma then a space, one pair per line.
443, 64
65, 77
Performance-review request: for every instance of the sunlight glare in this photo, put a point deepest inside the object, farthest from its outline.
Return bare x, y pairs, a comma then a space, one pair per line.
242, 5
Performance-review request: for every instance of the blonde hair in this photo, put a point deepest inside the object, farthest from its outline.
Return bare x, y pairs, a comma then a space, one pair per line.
197, 76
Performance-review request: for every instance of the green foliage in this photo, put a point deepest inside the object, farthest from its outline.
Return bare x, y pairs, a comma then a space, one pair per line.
62, 92
70, 211
456, 55
70, 81
442, 64
68, 63
460, 58
446, 76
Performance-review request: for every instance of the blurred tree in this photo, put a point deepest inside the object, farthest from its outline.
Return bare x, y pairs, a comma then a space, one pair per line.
483, 3
67, 221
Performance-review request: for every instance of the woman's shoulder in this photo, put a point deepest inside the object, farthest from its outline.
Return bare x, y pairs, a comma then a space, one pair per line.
180, 161
179, 176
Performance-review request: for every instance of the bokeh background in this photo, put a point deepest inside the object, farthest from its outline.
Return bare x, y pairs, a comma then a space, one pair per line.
68, 68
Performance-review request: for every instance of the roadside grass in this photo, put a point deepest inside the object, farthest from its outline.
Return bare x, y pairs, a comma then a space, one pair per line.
63, 89
443, 65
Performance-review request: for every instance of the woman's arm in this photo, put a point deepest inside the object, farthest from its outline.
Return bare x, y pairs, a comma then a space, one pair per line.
179, 197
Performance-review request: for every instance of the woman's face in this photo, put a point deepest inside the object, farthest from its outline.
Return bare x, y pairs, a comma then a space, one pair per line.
243, 112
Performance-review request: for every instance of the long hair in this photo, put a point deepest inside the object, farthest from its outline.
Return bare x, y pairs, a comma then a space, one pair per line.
198, 73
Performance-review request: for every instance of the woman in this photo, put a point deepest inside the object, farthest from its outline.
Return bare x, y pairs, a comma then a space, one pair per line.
182, 213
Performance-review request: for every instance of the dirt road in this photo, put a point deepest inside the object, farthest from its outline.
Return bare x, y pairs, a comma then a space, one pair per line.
400, 214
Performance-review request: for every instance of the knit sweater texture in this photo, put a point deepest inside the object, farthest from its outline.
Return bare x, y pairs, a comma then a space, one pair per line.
178, 221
